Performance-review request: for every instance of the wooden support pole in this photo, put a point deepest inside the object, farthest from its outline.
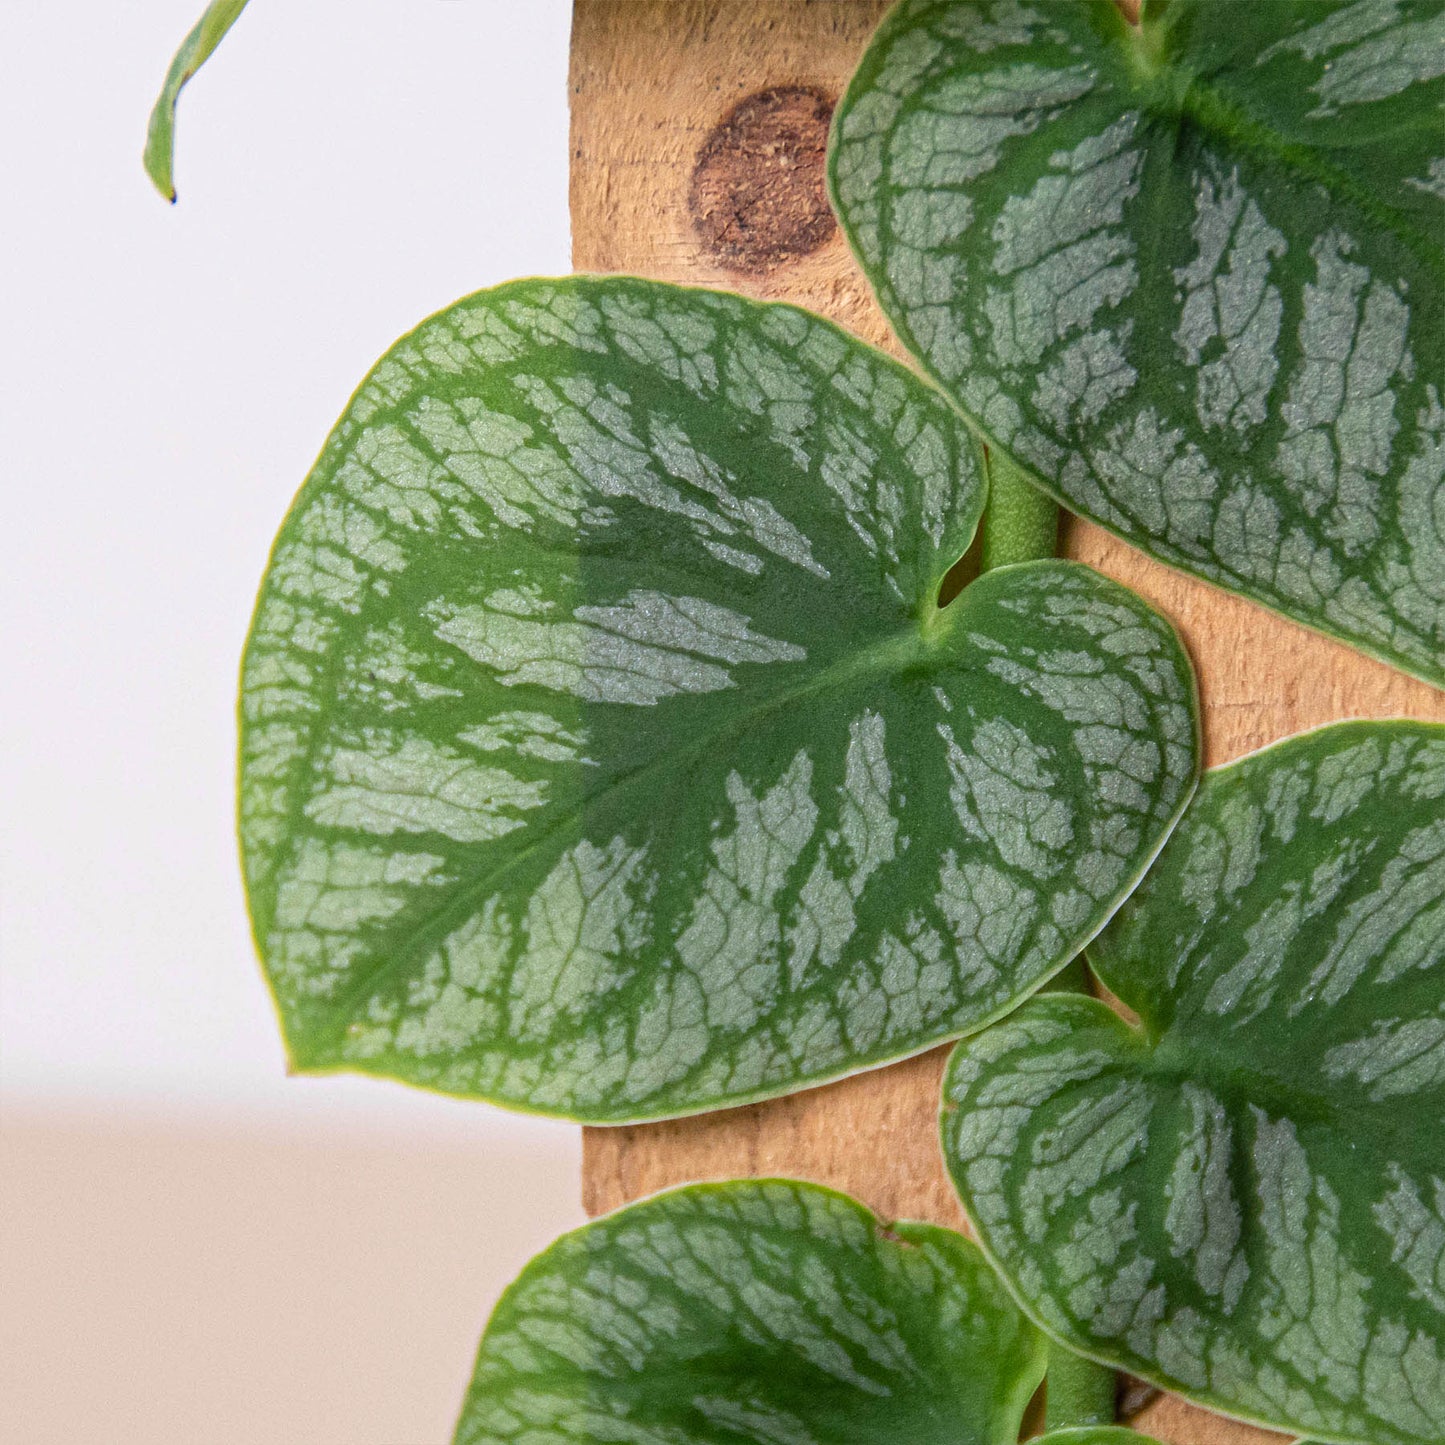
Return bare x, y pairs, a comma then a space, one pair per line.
698, 132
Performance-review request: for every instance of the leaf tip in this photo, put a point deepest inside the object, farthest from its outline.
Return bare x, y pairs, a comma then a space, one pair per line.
164, 188
205, 35
158, 155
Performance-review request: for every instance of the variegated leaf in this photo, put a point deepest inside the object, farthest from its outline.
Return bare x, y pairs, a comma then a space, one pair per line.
1243, 1199
605, 751
756, 1311
1190, 274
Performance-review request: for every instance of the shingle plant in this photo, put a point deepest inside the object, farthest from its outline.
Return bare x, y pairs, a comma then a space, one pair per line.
658, 700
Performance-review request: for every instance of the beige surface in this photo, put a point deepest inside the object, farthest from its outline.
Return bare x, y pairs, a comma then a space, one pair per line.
169, 1283
651, 80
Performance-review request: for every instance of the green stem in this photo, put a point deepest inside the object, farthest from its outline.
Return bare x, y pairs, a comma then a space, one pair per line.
1079, 1391
1021, 523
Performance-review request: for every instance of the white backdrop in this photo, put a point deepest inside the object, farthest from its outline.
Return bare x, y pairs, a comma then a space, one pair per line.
345, 167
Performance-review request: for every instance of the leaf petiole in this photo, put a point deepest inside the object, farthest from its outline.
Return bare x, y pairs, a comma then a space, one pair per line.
1021, 523
1078, 1391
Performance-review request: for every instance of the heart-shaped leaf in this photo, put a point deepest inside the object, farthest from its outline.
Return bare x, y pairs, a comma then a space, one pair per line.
1189, 274
759, 1312
1244, 1198
196, 49
605, 751
755, 1311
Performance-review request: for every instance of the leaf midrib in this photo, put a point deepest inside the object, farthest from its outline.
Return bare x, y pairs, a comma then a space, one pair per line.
1181, 1056
1182, 96
907, 644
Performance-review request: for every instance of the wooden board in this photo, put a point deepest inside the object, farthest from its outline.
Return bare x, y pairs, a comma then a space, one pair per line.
697, 157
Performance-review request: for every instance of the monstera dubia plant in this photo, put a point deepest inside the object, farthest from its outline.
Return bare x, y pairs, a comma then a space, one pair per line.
658, 700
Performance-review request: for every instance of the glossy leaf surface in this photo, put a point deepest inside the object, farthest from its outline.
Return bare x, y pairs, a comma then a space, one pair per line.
605, 752
755, 1311
1244, 1198
1190, 275
196, 49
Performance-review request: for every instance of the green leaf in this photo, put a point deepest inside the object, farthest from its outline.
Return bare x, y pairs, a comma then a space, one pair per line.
769, 1311
1243, 1199
758, 1312
605, 752
1189, 275
195, 50
1094, 1435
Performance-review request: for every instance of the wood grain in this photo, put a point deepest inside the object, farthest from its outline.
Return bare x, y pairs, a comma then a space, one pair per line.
654, 86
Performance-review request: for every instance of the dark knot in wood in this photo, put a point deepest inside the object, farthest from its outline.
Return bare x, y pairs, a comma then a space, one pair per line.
758, 197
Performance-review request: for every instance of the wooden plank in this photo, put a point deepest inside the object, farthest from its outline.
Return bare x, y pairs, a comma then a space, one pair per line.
697, 130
